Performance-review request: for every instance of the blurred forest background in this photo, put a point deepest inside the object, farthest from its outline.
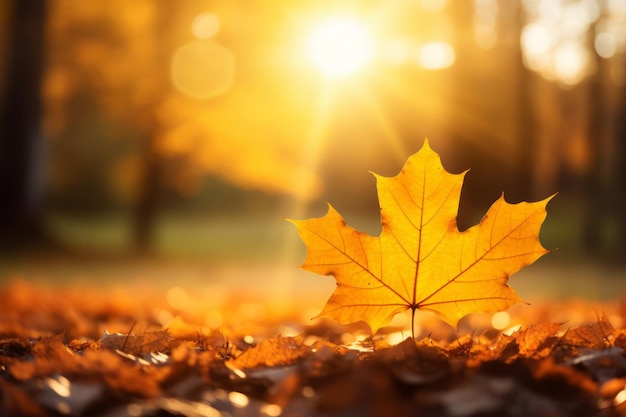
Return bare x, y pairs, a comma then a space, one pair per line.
187, 129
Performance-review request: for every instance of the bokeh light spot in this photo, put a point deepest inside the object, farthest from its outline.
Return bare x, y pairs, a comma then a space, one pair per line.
605, 45
272, 410
238, 399
436, 55
308, 392
205, 25
60, 385
134, 410
203, 69
500, 320
177, 298
570, 62
536, 39
394, 338
163, 316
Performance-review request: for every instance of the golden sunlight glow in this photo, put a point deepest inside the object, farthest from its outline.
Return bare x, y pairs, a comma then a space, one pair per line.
340, 46
396, 52
436, 55
203, 69
433, 5
213, 319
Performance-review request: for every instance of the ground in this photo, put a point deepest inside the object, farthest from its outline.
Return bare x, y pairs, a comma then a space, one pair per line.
112, 335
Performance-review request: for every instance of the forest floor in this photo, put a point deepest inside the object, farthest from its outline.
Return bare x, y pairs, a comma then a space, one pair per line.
107, 336
103, 333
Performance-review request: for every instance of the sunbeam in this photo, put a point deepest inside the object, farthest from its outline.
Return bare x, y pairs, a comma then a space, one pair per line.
383, 122
314, 143
438, 102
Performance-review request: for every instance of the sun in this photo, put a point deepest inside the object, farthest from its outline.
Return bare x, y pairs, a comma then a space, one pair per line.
340, 46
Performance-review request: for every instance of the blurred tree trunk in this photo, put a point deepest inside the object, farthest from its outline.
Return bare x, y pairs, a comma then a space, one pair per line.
150, 193
21, 143
604, 182
527, 125
620, 176
594, 188
149, 196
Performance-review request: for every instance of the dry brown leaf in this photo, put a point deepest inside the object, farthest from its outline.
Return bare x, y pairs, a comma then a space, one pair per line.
413, 363
138, 344
593, 335
118, 373
530, 340
50, 355
273, 352
620, 341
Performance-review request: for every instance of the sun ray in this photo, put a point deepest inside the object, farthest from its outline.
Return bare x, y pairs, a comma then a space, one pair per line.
385, 125
421, 103
314, 143
435, 103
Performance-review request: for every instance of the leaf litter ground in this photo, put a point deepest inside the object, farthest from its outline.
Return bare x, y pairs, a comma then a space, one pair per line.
82, 352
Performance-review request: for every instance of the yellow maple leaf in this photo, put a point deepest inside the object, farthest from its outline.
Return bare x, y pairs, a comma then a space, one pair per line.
421, 260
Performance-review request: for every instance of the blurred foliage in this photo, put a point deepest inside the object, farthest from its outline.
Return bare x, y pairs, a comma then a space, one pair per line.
114, 59
152, 106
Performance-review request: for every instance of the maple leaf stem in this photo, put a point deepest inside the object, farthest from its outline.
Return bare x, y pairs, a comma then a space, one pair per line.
413, 322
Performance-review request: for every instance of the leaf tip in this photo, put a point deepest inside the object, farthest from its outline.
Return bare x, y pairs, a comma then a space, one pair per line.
292, 221
331, 210
549, 198
426, 143
376, 176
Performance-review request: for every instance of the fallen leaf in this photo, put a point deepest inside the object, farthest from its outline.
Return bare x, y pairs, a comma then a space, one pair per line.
533, 340
415, 364
273, 352
592, 335
421, 260
620, 340
137, 344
